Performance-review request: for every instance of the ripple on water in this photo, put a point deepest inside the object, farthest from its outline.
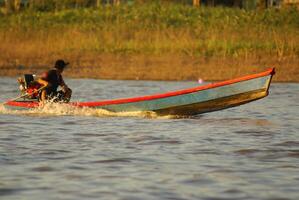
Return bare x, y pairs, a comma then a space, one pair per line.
144, 138
11, 191
154, 140
91, 134
204, 151
115, 160
270, 154
43, 169
157, 142
247, 151
288, 144
257, 133
294, 154
236, 194
198, 180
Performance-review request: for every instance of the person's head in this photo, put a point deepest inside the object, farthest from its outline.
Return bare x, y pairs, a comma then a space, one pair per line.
60, 65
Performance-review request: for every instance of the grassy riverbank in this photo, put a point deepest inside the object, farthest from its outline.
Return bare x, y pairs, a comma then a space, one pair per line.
152, 41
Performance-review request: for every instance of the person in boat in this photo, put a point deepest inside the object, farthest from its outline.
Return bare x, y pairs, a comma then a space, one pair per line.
51, 80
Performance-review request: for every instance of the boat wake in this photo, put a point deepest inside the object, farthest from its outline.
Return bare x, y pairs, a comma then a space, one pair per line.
58, 109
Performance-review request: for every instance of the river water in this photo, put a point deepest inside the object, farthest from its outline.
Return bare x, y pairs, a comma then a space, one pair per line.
247, 152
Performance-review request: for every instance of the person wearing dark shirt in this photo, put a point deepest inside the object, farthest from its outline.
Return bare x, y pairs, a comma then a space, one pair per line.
51, 80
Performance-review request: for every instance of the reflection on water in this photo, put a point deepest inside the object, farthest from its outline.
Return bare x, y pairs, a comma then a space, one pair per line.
238, 121
59, 152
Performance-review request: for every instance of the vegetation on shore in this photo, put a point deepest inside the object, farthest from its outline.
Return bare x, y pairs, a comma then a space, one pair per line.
152, 29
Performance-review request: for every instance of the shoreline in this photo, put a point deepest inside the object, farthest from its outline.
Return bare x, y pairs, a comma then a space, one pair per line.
164, 68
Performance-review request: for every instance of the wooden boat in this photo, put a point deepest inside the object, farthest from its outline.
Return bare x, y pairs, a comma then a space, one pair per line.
191, 101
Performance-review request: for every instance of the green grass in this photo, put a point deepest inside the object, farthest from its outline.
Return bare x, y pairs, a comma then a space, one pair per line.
153, 28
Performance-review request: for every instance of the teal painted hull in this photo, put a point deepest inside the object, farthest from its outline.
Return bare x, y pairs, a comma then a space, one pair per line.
258, 88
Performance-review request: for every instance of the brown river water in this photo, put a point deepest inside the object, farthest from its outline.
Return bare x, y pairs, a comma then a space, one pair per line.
58, 152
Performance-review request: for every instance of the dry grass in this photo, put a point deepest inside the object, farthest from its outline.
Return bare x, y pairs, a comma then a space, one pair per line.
212, 44
166, 67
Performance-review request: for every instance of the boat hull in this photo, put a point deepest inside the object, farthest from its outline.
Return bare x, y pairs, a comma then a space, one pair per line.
214, 105
200, 101
190, 101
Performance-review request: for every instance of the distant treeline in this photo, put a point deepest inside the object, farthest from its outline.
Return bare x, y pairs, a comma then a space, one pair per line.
49, 5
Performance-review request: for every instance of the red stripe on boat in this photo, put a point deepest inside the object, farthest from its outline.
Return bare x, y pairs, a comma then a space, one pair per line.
23, 104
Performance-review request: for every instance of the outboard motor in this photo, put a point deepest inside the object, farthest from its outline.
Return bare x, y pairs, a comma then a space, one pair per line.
28, 79
29, 86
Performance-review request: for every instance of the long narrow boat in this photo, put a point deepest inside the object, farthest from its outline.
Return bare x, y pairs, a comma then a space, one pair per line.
191, 101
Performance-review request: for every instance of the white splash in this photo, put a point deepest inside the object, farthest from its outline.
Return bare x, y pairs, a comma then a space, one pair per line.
60, 109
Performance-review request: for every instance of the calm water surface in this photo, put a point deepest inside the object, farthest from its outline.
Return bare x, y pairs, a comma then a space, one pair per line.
247, 152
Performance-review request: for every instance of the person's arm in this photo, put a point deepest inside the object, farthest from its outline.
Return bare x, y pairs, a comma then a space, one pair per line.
43, 82
63, 85
43, 96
